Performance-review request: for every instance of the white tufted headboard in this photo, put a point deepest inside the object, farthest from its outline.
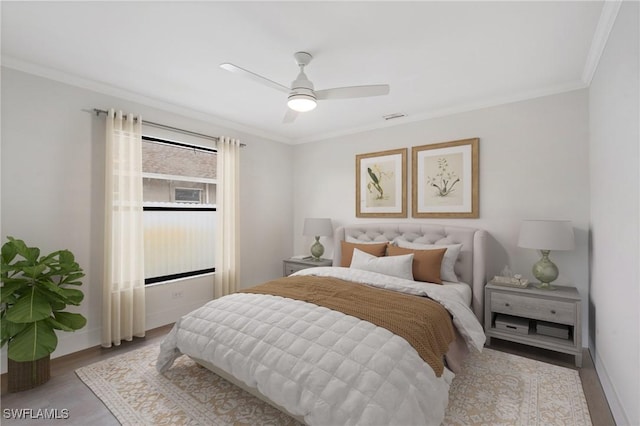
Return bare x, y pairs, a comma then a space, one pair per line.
470, 266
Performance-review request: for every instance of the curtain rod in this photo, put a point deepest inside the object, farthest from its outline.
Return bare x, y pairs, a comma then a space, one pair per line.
164, 126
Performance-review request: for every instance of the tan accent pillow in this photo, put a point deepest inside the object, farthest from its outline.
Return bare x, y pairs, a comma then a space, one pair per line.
426, 263
376, 249
447, 270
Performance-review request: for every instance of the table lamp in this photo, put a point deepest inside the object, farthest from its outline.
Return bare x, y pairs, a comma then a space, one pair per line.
317, 228
546, 235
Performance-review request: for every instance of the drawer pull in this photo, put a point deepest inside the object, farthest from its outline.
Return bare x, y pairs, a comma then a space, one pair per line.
506, 304
553, 311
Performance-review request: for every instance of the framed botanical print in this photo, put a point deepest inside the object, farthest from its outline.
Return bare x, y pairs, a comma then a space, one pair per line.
381, 184
444, 180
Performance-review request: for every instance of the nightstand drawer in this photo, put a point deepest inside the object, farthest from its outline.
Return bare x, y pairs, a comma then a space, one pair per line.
536, 308
290, 268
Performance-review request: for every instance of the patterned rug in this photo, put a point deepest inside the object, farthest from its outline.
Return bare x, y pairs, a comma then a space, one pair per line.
495, 388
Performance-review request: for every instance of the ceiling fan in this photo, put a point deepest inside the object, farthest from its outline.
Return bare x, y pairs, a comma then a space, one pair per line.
301, 95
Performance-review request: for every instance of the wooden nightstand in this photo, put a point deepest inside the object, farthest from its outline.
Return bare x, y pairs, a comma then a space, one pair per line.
549, 319
289, 266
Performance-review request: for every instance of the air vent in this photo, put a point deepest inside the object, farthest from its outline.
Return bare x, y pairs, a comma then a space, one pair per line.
394, 116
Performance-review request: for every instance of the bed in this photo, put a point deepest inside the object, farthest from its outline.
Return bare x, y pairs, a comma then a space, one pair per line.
329, 346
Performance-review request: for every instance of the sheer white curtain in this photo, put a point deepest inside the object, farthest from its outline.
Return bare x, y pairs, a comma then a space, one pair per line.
123, 310
228, 244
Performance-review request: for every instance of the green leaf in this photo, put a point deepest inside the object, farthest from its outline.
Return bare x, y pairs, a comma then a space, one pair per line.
10, 329
72, 277
73, 296
4, 332
9, 252
57, 305
30, 307
71, 320
49, 286
19, 246
33, 253
36, 341
55, 300
14, 328
8, 289
57, 325
50, 258
22, 280
34, 271
66, 257
30, 254
17, 265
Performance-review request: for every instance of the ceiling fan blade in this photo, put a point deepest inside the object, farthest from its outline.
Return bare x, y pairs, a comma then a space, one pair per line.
290, 116
353, 92
255, 77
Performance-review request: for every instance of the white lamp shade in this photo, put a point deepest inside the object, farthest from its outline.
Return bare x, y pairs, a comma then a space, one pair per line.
546, 235
316, 227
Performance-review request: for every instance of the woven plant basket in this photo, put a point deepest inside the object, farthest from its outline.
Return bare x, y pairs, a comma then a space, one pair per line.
25, 375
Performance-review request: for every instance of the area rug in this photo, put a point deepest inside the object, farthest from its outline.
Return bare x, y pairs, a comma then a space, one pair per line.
495, 388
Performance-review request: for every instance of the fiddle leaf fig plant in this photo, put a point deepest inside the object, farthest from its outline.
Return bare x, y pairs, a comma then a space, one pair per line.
34, 294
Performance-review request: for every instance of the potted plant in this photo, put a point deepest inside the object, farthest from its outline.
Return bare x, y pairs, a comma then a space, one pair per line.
35, 292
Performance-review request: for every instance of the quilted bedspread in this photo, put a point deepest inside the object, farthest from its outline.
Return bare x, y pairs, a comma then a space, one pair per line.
319, 364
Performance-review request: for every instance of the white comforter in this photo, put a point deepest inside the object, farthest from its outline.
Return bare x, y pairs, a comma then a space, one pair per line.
319, 364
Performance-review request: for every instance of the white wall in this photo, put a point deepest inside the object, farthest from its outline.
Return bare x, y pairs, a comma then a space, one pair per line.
536, 161
52, 193
533, 164
615, 217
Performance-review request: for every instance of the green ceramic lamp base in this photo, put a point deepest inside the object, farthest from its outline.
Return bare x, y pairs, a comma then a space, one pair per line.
545, 286
317, 250
545, 271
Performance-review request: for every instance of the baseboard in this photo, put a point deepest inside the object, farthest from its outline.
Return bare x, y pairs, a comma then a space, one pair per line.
93, 350
617, 410
72, 342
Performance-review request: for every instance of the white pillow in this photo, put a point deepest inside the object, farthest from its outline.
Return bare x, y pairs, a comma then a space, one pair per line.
396, 266
447, 271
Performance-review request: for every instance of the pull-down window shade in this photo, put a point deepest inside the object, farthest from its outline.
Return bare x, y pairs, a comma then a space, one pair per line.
179, 192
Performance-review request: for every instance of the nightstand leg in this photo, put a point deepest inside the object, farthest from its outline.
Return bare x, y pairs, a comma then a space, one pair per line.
488, 341
579, 360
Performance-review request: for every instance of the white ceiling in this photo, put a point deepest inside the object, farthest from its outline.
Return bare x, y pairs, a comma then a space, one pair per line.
438, 57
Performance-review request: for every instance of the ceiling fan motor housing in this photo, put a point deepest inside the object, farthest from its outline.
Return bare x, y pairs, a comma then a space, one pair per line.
302, 86
302, 98
302, 93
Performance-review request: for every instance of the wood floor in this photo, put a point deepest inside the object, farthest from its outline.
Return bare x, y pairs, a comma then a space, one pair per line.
66, 391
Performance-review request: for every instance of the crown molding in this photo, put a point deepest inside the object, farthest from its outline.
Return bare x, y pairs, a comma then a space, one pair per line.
607, 19
473, 106
106, 89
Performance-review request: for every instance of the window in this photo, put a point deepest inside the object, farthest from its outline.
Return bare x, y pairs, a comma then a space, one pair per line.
179, 192
188, 195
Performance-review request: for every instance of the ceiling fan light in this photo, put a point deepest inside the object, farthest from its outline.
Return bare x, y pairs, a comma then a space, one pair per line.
301, 103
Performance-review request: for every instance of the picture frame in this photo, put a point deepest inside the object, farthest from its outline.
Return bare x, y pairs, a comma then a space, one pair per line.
381, 184
444, 179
